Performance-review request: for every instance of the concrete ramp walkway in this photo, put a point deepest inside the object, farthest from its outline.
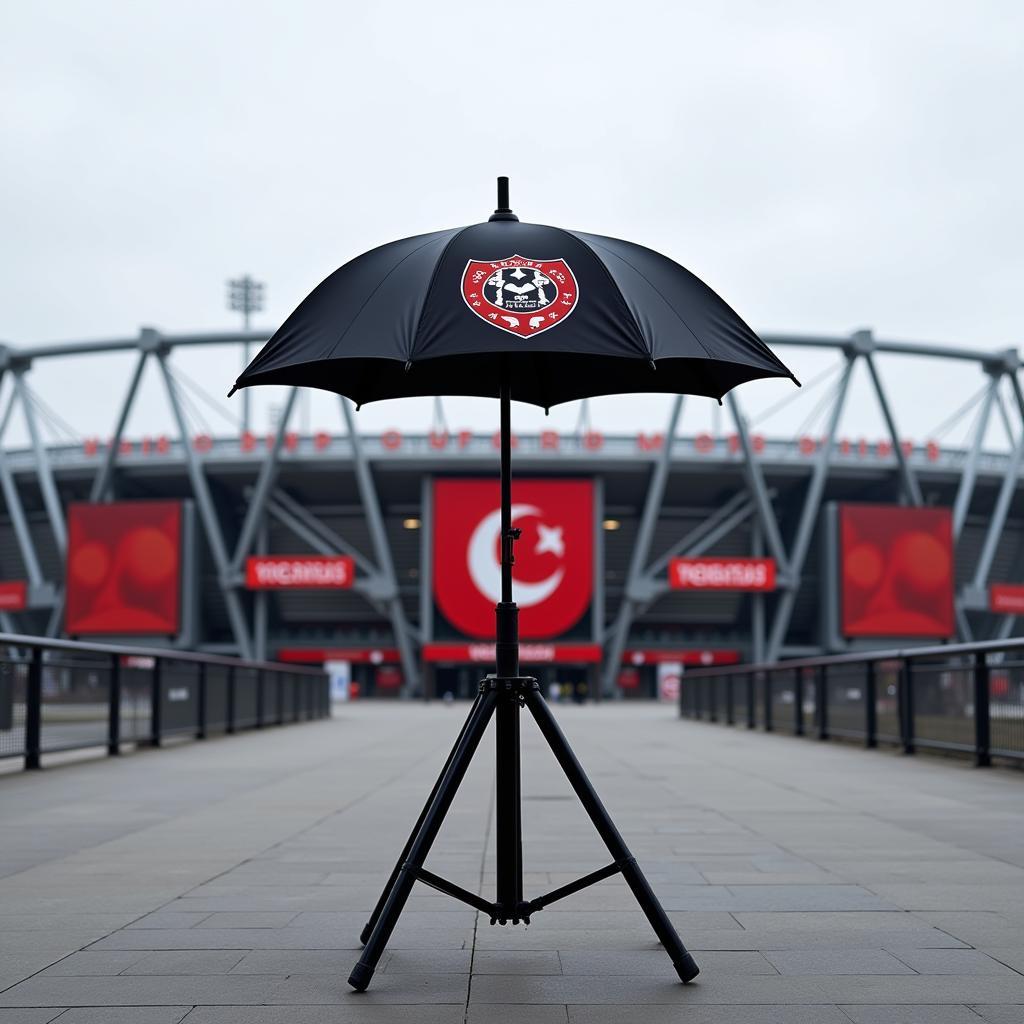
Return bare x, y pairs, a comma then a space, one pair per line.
226, 882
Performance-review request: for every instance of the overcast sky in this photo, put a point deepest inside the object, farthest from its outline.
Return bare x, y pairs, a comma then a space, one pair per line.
824, 166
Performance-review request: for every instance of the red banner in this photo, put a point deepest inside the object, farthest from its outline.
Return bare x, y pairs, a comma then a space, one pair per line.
123, 568
658, 656
298, 572
896, 571
13, 595
529, 654
1006, 598
356, 655
553, 572
722, 573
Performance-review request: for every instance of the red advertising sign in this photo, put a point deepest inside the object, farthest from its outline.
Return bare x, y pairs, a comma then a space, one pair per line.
896, 571
686, 657
356, 655
722, 573
123, 568
529, 654
553, 572
13, 595
1006, 598
298, 572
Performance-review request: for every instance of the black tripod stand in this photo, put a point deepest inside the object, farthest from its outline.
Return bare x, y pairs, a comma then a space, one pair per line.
502, 695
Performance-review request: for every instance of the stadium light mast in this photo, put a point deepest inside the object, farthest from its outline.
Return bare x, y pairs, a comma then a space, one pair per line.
245, 296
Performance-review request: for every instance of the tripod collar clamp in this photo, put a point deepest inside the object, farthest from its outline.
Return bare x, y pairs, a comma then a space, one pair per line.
508, 684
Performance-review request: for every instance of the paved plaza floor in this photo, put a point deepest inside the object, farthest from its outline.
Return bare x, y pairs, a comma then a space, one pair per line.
226, 882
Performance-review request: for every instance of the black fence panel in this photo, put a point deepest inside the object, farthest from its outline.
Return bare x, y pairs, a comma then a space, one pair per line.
59, 695
959, 697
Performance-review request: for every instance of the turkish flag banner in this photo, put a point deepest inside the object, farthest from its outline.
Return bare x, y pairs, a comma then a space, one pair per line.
554, 558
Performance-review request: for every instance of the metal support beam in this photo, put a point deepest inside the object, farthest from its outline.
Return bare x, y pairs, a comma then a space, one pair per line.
367, 587
381, 549
208, 514
101, 484
910, 484
998, 518
739, 502
970, 472
44, 471
755, 481
655, 492
261, 601
809, 513
257, 505
286, 503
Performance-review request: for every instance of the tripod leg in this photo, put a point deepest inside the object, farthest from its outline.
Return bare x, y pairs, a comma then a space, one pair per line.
420, 846
683, 962
364, 935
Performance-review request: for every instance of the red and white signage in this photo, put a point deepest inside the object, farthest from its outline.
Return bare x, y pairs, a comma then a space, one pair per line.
554, 557
722, 573
355, 655
13, 595
520, 295
529, 654
299, 572
703, 658
1007, 598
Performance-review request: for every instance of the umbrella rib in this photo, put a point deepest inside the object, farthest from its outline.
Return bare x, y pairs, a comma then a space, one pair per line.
430, 286
654, 288
648, 351
380, 284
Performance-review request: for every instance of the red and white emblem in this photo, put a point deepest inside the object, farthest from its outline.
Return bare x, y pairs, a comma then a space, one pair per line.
519, 295
553, 572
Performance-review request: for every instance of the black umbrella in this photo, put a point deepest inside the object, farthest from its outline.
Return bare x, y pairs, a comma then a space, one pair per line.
540, 315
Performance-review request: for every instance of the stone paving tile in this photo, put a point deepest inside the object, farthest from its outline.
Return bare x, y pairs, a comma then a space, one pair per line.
655, 964
736, 1014
125, 991
1012, 957
796, 962
170, 919
387, 987
259, 919
35, 1015
506, 1013
952, 961
569, 989
102, 964
358, 1011
910, 1014
124, 1015
187, 962
514, 961
1000, 1014
978, 928
933, 988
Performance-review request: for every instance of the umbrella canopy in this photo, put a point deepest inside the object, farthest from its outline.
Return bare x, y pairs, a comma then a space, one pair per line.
560, 314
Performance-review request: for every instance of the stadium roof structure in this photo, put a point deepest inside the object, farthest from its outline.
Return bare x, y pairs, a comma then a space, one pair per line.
347, 493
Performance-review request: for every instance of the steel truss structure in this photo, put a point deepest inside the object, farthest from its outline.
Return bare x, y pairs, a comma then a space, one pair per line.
766, 499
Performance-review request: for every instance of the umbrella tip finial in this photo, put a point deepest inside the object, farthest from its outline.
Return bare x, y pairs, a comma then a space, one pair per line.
504, 211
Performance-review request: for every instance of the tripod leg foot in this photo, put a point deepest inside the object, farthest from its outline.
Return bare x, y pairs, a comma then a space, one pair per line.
684, 964
686, 968
421, 843
360, 976
364, 935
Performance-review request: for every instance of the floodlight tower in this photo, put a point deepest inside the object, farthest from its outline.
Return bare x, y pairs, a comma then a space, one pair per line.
245, 296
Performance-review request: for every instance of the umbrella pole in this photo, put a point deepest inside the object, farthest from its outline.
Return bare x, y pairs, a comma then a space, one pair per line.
508, 814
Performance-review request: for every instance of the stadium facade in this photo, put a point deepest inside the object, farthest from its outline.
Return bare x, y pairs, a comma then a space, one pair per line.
641, 549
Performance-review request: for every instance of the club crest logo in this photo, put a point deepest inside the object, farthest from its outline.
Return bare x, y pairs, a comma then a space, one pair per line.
519, 295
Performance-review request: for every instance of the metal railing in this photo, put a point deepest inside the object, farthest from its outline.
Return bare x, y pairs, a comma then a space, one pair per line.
60, 695
956, 697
